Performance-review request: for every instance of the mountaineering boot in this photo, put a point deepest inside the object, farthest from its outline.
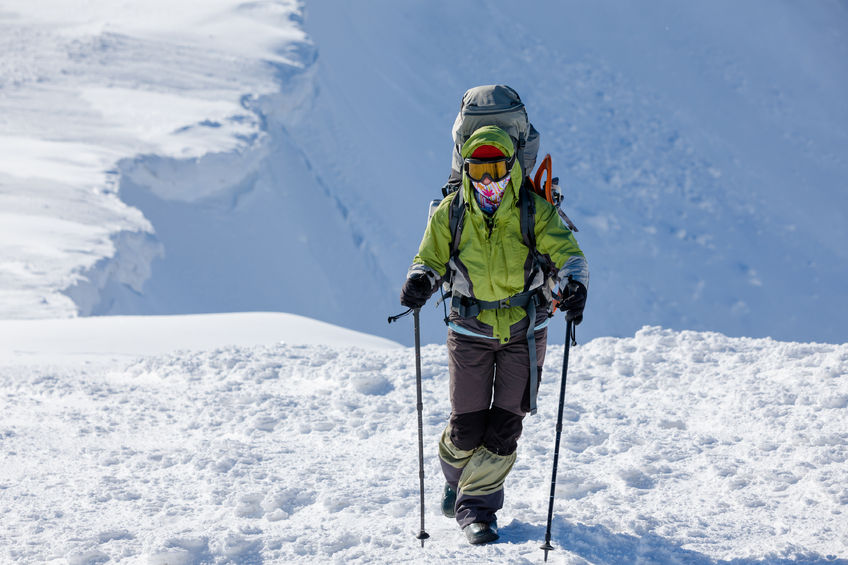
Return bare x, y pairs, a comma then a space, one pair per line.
481, 532
449, 502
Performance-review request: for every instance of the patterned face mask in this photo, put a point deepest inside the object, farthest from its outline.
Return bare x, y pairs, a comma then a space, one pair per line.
489, 195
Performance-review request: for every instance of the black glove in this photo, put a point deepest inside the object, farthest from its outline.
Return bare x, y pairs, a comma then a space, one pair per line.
572, 301
416, 290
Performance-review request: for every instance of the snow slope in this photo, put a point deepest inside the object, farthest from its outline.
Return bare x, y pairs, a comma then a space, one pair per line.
702, 145
678, 447
121, 338
254, 156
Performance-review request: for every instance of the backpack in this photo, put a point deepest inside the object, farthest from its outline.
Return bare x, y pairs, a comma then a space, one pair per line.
492, 105
499, 105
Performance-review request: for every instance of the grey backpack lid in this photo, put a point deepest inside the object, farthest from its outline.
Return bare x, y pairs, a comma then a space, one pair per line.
494, 105
490, 99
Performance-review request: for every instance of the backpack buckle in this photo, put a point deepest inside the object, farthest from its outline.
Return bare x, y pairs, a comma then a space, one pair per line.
503, 303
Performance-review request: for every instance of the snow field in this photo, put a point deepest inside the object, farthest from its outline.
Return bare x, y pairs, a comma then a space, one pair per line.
677, 448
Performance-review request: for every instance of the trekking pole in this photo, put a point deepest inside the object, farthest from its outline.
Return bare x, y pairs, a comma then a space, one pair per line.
569, 337
422, 535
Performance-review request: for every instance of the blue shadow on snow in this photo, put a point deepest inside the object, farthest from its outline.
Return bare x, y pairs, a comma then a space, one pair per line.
600, 546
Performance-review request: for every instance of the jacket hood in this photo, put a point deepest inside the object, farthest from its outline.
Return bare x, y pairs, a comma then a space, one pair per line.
492, 135
488, 135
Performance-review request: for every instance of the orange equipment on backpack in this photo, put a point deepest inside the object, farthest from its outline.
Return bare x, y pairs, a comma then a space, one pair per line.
547, 187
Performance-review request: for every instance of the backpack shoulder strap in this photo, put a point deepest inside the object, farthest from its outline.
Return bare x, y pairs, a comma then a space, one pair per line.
456, 217
527, 206
528, 215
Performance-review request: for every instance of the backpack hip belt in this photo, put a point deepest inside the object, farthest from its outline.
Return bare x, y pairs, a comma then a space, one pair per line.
467, 307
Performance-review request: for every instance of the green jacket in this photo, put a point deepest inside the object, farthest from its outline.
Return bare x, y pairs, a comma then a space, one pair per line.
493, 263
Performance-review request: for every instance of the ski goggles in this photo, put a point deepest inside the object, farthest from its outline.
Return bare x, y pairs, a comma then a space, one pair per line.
478, 169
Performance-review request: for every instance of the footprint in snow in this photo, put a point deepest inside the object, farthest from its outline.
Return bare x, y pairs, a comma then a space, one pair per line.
282, 503
109, 535
371, 384
181, 550
634, 478
835, 402
93, 557
581, 440
673, 425
250, 506
265, 423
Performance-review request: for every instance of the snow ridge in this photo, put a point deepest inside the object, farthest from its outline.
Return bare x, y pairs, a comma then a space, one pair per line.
96, 94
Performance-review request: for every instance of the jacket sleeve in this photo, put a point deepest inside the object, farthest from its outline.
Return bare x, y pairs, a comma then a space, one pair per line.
434, 252
555, 241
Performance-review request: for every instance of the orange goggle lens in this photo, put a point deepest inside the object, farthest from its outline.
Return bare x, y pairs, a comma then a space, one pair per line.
495, 170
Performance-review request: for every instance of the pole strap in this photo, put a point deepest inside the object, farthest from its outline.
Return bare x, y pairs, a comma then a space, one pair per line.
399, 316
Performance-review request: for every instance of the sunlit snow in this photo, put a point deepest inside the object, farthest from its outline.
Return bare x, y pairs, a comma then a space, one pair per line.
677, 448
207, 209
